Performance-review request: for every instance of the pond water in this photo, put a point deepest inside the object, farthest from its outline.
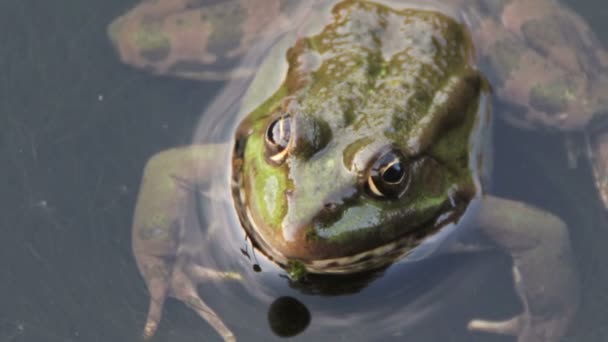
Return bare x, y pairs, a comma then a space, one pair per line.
76, 128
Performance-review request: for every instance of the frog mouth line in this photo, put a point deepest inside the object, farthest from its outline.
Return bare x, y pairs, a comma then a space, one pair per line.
372, 259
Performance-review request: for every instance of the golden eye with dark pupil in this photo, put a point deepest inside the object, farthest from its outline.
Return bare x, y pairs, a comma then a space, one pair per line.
388, 177
278, 137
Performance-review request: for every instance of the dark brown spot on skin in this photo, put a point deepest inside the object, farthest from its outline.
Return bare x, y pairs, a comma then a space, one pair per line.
349, 115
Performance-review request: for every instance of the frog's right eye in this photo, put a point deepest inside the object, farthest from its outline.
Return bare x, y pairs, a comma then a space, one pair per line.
389, 175
277, 140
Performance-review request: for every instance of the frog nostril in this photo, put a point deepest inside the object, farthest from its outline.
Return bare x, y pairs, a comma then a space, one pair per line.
330, 206
326, 214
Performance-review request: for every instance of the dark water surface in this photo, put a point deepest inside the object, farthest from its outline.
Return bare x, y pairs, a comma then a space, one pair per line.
76, 128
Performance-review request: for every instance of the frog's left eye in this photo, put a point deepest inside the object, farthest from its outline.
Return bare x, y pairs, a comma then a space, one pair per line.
388, 176
277, 140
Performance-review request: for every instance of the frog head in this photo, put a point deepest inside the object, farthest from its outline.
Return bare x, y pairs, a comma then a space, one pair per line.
368, 146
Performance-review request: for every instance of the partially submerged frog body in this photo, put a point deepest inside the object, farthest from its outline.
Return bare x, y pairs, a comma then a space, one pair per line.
374, 141
188, 39
158, 229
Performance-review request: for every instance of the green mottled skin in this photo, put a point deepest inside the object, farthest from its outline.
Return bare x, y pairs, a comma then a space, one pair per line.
365, 77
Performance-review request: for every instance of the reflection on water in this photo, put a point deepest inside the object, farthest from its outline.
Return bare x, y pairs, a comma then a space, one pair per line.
77, 128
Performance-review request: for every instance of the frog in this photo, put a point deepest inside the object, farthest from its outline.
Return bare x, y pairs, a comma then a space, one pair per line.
364, 133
